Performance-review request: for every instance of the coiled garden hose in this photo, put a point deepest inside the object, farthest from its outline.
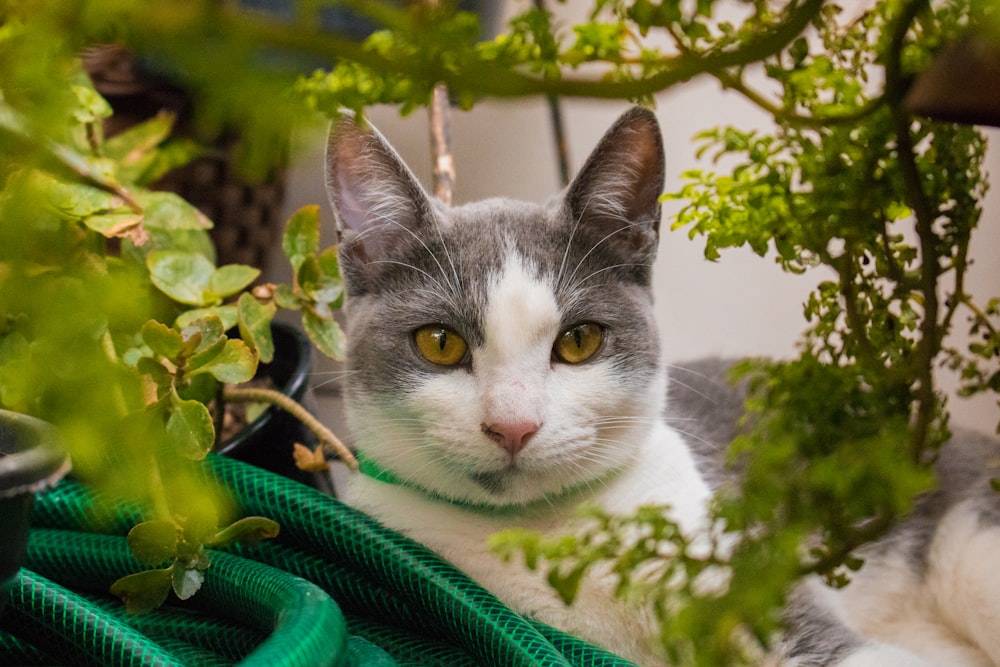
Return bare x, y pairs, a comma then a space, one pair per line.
399, 599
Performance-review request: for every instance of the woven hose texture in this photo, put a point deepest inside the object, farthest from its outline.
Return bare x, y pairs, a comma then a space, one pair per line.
64, 625
303, 624
400, 599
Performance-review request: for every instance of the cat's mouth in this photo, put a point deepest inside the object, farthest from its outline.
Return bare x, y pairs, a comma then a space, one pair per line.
496, 482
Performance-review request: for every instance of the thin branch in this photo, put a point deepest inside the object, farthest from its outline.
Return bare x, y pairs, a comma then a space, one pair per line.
443, 161
788, 116
488, 78
327, 438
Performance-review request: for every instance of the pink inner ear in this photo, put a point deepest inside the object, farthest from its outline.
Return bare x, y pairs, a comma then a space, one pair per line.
350, 208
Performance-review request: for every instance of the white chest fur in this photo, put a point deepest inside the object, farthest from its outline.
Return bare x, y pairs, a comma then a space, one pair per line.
663, 474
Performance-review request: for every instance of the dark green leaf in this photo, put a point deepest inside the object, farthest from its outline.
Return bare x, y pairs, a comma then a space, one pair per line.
153, 542
143, 591
248, 530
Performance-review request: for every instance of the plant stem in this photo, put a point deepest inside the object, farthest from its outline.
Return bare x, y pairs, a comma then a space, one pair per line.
327, 438
443, 162
930, 268
484, 77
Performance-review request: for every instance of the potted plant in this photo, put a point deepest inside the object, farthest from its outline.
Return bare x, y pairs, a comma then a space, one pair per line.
109, 284
31, 460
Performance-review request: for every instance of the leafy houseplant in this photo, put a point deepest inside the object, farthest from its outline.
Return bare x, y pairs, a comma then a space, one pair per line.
115, 319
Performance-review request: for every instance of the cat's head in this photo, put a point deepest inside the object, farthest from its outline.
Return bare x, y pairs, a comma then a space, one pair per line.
500, 352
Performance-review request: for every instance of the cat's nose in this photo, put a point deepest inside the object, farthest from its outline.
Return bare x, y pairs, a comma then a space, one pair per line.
513, 436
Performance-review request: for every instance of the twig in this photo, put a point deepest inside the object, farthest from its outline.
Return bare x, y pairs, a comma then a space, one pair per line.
440, 128
328, 440
556, 120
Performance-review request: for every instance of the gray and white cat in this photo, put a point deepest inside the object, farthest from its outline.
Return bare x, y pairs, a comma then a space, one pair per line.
505, 368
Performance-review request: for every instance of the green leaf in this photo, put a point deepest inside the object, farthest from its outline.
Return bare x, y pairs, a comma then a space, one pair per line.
187, 581
158, 373
568, 585
202, 334
93, 108
230, 279
326, 335
248, 530
143, 591
153, 542
171, 155
228, 315
183, 276
114, 225
162, 340
255, 325
234, 364
329, 263
301, 236
137, 142
166, 210
190, 428
205, 356
77, 200
310, 273
286, 298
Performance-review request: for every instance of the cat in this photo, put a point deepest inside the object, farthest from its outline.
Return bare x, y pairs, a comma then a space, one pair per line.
506, 367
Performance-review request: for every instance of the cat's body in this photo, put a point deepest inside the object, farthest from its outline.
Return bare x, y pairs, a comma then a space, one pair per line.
507, 369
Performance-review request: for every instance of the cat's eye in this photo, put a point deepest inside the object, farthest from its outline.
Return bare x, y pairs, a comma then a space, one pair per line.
440, 345
578, 343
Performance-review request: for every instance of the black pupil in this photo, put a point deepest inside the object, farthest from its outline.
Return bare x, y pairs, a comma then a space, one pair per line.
442, 339
578, 336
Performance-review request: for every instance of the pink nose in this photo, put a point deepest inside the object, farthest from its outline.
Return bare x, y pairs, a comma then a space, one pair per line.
512, 437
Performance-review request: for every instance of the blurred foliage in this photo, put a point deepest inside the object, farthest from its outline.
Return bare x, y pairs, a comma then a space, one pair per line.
113, 313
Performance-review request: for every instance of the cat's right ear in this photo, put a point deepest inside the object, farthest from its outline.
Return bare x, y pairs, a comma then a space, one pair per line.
374, 195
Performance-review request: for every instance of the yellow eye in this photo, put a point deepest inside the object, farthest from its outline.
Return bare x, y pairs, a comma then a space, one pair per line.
579, 343
440, 345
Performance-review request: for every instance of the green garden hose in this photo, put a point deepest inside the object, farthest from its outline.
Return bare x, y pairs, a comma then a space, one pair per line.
399, 599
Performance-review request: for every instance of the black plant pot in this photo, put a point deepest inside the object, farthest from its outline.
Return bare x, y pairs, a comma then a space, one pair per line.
267, 442
31, 459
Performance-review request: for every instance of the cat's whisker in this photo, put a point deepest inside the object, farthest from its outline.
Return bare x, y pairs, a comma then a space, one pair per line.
583, 259
452, 285
608, 268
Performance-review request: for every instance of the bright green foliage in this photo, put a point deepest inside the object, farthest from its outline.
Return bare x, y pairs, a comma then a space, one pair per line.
317, 289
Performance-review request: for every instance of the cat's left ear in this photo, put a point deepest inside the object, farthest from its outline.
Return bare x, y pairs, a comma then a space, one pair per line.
621, 182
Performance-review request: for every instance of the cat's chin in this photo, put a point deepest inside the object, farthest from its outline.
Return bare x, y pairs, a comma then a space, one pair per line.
497, 483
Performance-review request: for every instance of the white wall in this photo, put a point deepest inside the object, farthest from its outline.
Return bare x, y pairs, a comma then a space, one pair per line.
741, 305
